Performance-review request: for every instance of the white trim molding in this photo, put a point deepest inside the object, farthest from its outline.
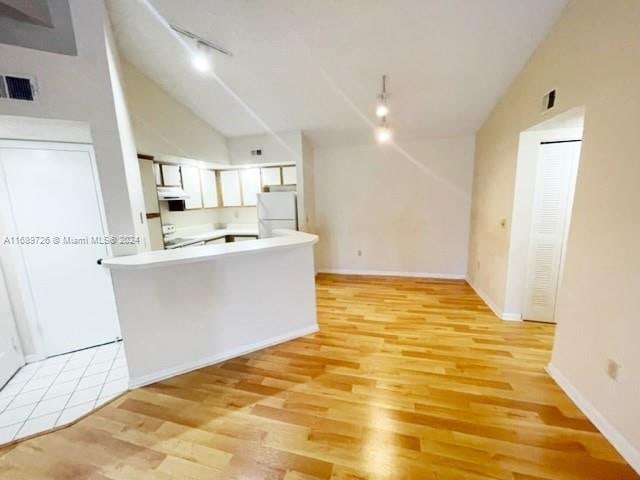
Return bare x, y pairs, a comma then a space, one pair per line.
206, 361
512, 317
387, 273
619, 442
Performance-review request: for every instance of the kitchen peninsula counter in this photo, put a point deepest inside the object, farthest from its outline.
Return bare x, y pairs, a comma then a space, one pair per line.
187, 308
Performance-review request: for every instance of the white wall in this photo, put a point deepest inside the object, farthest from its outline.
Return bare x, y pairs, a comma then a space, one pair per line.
127, 143
77, 91
592, 57
284, 147
306, 188
164, 126
406, 210
77, 88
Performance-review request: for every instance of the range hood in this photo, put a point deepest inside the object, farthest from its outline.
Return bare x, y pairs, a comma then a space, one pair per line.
171, 193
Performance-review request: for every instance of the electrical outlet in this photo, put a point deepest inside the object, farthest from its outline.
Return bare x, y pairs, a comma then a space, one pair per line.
613, 369
359, 253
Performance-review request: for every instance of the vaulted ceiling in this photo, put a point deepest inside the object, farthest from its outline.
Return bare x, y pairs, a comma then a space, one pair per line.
316, 65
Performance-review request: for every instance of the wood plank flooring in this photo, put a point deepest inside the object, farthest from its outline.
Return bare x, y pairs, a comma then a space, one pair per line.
407, 379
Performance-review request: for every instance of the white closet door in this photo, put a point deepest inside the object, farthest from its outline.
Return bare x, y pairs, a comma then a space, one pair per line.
209, 188
191, 185
50, 191
230, 188
554, 179
250, 186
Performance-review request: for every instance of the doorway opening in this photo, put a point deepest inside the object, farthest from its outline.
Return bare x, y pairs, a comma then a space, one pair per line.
61, 353
547, 167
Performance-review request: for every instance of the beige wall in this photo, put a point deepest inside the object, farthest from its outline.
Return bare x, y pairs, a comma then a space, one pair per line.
592, 57
406, 210
164, 126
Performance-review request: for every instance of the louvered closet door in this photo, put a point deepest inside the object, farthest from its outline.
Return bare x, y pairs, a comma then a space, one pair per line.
554, 179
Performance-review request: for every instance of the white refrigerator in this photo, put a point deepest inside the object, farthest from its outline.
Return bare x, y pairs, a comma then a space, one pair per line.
276, 210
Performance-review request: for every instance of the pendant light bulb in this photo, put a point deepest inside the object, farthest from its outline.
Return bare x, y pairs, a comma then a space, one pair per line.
201, 60
383, 134
381, 109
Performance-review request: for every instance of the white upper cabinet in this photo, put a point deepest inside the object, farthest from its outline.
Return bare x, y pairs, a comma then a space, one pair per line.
209, 188
289, 176
191, 185
271, 176
157, 174
171, 175
230, 188
149, 185
250, 186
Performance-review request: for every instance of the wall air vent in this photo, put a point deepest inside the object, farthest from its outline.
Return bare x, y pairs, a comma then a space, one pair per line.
13, 87
549, 100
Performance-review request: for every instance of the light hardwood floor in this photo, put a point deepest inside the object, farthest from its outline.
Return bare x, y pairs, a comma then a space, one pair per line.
407, 379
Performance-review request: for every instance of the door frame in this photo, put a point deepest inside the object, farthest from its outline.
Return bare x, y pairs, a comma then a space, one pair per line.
16, 258
11, 321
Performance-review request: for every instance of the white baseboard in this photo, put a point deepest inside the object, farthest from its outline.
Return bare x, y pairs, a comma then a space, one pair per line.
387, 273
213, 359
620, 443
512, 317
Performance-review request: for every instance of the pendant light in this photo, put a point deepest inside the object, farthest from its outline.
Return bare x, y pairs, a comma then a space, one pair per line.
383, 132
382, 110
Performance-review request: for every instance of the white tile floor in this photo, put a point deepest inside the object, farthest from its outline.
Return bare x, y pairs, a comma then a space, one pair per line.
60, 389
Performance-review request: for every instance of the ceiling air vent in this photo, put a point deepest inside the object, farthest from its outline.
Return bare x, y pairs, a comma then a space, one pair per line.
17, 88
549, 101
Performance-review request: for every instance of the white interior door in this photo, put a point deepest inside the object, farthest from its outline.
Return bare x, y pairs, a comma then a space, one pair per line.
11, 358
53, 195
557, 163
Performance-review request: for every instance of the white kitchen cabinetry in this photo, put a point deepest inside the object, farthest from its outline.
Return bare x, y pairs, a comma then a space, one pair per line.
289, 175
209, 188
271, 176
230, 188
171, 175
147, 172
157, 174
250, 186
191, 185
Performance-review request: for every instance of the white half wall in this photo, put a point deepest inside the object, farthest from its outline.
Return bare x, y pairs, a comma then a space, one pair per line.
394, 209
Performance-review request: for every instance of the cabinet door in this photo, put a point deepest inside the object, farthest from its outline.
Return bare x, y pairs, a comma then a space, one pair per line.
191, 185
250, 186
230, 188
209, 188
157, 174
171, 175
148, 186
289, 175
271, 176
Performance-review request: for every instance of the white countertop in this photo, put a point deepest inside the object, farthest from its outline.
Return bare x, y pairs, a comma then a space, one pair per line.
213, 234
161, 258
